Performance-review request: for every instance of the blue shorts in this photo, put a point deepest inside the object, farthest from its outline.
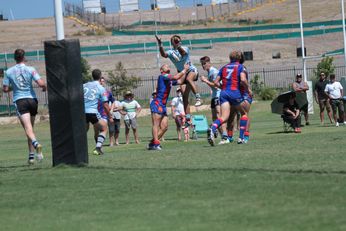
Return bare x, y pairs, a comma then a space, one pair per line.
158, 107
247, 98
233, 97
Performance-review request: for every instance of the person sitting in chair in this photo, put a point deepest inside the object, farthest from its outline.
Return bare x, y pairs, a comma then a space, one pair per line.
291, 113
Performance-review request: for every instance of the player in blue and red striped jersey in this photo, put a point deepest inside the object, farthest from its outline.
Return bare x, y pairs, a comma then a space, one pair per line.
158, 104
246, 104
104, 116
180, 55
231, 76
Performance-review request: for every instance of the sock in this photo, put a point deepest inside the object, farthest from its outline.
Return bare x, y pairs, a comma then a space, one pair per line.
224, 135
34, 143
243, 123
198, 96
100, 140
156, 142
247, 134
31, 155
217, 123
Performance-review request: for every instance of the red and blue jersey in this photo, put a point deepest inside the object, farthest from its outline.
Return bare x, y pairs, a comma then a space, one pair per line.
242, 88
230, 76
100, 107
164, 85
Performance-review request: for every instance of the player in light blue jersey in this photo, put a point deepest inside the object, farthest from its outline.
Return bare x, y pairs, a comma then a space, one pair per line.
19, 78
93, 93
180, 55
215, 91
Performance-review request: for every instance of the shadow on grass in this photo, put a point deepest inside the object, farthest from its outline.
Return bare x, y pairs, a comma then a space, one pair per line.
258, 170
280, 132
124, 169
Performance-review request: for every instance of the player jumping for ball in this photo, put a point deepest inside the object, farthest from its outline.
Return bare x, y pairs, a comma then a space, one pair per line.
180, 55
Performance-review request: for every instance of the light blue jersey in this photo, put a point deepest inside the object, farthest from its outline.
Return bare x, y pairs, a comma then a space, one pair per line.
20, 77
212, 75
93, 92
178, 60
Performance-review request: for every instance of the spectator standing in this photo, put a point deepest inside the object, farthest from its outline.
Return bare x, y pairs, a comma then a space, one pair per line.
322, 99
114, 128
334, 91
301, 86
130, 108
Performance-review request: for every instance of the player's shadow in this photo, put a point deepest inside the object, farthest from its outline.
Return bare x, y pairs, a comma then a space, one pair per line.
279, 132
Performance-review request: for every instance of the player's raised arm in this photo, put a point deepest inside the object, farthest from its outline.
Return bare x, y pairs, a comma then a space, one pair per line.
162, 50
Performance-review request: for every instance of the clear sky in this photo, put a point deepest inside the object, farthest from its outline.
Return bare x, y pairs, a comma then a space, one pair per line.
25, 9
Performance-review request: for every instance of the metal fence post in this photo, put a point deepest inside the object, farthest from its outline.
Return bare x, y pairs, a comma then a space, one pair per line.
264, 77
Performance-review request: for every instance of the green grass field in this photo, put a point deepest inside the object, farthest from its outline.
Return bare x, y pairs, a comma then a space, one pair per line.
278, 181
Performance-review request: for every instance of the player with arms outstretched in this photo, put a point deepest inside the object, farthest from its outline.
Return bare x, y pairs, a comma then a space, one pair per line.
158, 104
180, 55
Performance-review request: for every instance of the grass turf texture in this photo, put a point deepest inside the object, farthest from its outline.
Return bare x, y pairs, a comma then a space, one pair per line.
277, 181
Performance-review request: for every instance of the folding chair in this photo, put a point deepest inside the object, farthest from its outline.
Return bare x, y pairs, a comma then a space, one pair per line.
287, 126
199, 125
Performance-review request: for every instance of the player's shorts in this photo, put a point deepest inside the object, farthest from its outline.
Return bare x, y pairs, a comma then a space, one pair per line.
104, 117
247, 98
158, 107
233, 97
26, 105
131, 123
115, 127
214, 102
193, 69
92, 117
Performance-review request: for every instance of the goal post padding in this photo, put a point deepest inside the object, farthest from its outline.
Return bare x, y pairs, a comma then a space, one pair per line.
66, 102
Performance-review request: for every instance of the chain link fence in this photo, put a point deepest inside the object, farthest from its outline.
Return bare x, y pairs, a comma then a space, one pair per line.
279, 78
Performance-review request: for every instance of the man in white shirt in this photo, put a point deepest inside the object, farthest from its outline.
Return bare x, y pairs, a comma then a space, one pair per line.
334, 91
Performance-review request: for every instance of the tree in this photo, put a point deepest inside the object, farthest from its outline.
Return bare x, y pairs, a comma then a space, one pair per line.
86, 73
326, 66
120, 82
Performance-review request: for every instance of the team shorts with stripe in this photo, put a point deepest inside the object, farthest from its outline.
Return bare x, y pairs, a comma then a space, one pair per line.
247, 98
214, 102
92, 117
188, 72
233, 97
27, 105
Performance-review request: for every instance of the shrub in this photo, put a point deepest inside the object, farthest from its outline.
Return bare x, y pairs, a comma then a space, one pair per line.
326, 66
267, 93
120, 82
